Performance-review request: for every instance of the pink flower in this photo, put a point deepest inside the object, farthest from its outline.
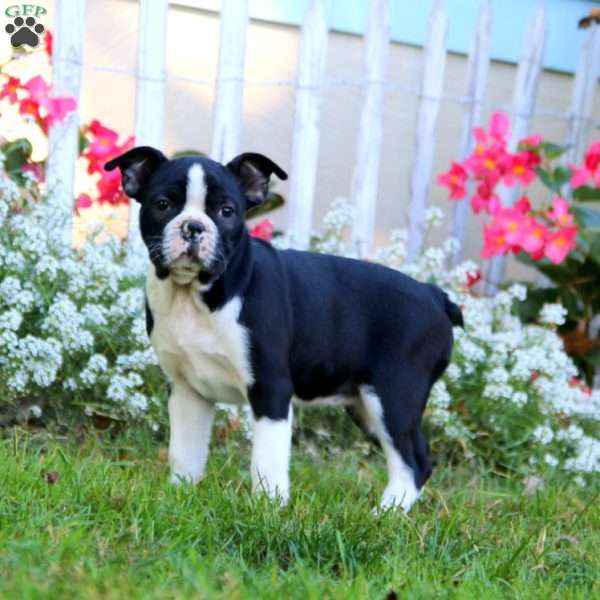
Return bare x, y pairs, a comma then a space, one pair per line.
532, 141
499, 127
473, 277
534, 238
454, 180
263, 230
513, 223
10, 89
560, 244
590, 169
30, 108
36, 169
38, 89
104, 140
485, 199
494, 240
523, 205
83, 201
48, 43
59, 108
560, 212
518, 167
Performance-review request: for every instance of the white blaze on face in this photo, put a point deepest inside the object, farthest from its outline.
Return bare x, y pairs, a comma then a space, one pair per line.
175, 248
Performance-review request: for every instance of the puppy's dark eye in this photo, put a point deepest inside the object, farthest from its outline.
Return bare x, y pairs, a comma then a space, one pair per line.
226, 212
163, 203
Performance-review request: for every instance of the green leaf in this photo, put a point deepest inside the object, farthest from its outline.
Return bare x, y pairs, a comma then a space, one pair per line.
593, 357
83, 141
181, 153
586, 217
561, 176
552, 151
545, 178
273, 202
16, 153
587, 194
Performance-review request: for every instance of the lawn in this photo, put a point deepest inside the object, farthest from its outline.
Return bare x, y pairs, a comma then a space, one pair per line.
93, 516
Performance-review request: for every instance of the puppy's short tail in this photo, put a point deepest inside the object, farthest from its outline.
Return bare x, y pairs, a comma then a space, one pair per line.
453, 311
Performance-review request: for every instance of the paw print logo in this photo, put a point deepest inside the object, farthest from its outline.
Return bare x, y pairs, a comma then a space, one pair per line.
24, 32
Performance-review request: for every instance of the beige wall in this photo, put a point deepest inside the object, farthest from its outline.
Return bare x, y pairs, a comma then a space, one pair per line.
111, 36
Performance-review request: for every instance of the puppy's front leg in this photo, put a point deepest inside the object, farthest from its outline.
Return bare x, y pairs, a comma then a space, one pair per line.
271, 448
190, 418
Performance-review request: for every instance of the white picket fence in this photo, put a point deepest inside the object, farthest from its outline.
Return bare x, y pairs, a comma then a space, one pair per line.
150, 103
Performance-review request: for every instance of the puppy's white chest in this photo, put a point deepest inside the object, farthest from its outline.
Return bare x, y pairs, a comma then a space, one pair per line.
207, 350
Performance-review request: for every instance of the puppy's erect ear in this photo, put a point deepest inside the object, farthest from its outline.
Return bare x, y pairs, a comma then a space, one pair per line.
253, 171
136, 167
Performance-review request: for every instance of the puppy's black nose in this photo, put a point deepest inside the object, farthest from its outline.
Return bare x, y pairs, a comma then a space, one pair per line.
191, 230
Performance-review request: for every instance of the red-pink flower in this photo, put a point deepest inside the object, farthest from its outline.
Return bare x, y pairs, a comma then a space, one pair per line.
560, 244
532, 141
48, 43
513, 223
59, 108
38, 89
83, 201
590, 169
560, 212
499, 127
10, 88
263, 230
36, 169
104, 140
485, 199
519, 168
534, 238
494, 240
473, 277
454, 180
29, 108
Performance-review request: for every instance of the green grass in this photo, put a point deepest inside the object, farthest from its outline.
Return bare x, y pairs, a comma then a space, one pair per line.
111, 526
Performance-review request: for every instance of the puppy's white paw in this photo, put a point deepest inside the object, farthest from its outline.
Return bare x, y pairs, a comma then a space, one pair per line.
399, 496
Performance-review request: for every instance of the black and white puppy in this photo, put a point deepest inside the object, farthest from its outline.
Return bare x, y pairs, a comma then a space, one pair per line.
234, 320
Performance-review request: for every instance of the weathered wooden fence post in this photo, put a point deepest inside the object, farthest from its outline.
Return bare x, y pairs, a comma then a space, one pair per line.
477, 75
432, 86
366, 176
523, 104
150, 93
230, 80
585, 87
305, 148
63, 142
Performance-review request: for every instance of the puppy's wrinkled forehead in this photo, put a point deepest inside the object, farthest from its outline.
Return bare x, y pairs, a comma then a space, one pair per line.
195, 192
199, 181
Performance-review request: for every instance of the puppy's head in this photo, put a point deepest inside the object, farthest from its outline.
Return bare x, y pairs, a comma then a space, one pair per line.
192, 208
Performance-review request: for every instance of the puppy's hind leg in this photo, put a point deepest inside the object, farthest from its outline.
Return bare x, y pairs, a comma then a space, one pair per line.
407, 463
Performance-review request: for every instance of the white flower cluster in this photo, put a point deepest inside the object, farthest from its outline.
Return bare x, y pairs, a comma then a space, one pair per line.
72, 325
509, 385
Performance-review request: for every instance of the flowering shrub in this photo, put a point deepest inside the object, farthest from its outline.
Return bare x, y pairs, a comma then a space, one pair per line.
561, 239
98, 144
72, 329
511, 394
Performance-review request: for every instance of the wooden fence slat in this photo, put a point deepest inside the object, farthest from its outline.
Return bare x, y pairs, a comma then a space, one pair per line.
585, 86
230, 80
523, 104
477, 76
366, 178
305, 147
432, 86
63, 142
150, 92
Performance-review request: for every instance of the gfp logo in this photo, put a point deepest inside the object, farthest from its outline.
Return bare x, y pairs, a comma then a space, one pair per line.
24, 29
